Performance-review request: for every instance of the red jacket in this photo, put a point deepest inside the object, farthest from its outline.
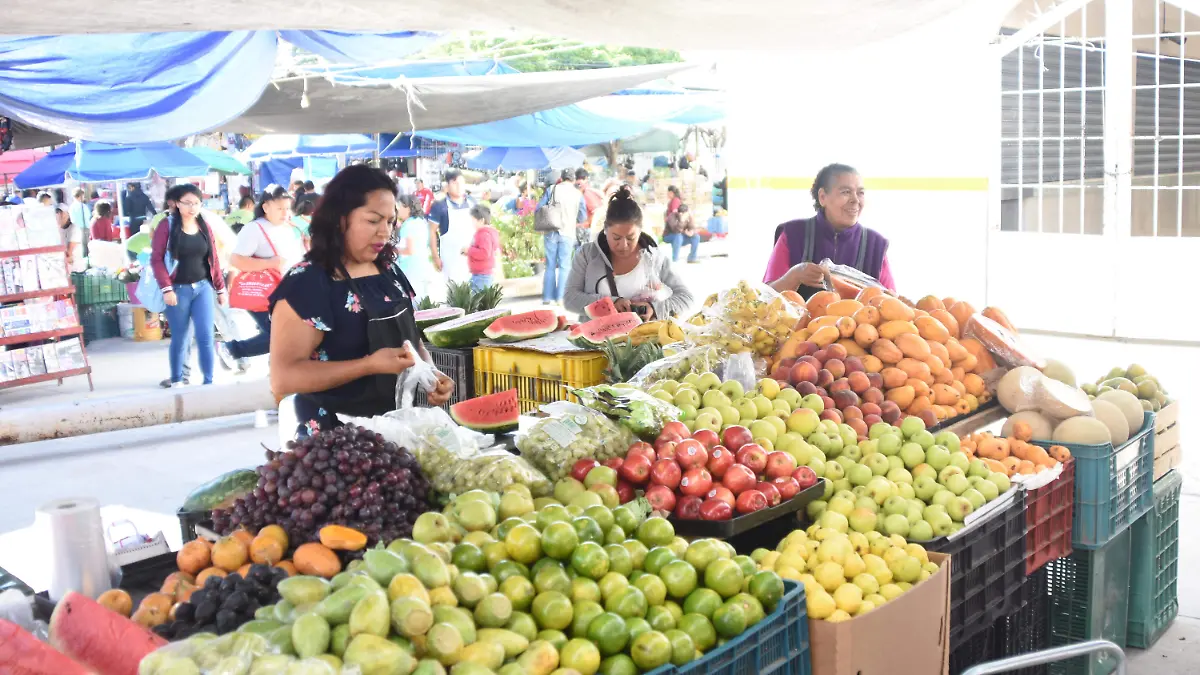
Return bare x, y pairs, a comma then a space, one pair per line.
158, 253
481, 255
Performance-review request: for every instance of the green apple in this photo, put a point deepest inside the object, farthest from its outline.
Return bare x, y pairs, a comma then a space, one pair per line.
813, 403
960, 460
877, 463
708, 420
763, 429
975, 497
914, 512
729, 414
912, 455
708, 381
938, 457
734, 389
894, 462
780, 405
746, 410
881, 489
890, 444
763, 404
834, 471
848, 434
664, 395
896, 524
866, 502
957, 484
942, 523
815, 508
932, 511
924, 470
830, 427
868, 447
803, 421
911, 425
842, 504
766, 386
906, 490
923, 438
851, 451
792, 396
878, 430
900, 476
859, 474
820, 440
988, 489
714, 398
943, 497
977, 467
951, 470
920, 531
925, 488
714, 412
1002, 482
948, 440
895, 505
846, 494
688, 412
959, 508
691, 425
828, 488
693, 379
817, 465
862, 520
687, 397
785, 443
798, 448
778, 423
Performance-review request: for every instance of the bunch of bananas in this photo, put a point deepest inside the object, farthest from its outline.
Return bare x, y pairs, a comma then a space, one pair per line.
664, 332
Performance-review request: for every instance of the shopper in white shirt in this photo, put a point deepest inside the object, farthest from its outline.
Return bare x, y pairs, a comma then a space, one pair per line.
72, 236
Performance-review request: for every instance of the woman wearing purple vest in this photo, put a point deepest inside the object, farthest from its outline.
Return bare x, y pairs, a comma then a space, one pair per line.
834, 233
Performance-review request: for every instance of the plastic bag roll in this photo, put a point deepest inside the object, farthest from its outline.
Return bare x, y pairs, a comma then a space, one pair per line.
75, 538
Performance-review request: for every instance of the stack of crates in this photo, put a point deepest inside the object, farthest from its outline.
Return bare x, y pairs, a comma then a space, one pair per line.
97, 297
1154, 565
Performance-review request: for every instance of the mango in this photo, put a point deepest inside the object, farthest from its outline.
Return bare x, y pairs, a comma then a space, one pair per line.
541, 658
374, 655
371, 615
304, 590
336, 608
310, 635
382, 565
339, 638
459, 619
487, 654
411, 617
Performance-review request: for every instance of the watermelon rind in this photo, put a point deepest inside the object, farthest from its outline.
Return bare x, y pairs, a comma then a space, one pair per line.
497, 413
432, 317
595, 332
523, 326
465, 331
600, 308
98, 637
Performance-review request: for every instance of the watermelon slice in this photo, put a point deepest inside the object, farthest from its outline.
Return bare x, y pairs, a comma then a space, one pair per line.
432, 317
595, 332
494, 414
600, 308
98, 637
523, 326
21, 652
562, 322
464, 331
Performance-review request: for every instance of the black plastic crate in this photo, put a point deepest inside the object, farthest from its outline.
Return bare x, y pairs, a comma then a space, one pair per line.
189, 520
458, 365
99, 321
1027, 629
987, 570
974, 650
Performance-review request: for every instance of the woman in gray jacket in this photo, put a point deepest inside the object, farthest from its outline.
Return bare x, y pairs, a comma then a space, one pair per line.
625, 264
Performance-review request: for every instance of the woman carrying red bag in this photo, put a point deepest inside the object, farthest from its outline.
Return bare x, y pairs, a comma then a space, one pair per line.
266, 248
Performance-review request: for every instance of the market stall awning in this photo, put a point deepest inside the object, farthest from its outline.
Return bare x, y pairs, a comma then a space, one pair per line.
521, 159
219, 161
278, 146
16, 161
569, 125
91, 162
405, 145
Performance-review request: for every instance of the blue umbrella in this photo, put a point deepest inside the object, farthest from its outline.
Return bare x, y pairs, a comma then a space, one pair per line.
520, 159
92, 162
276, 146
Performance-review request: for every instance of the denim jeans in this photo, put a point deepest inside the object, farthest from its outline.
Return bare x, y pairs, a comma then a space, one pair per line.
192, 314
480, 282
558, 266
256, 346
678, 240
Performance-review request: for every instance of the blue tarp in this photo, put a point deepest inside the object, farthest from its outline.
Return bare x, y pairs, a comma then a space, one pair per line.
568, 125
278, 171
294, 145
343, 47
521, 159
424, 69
404, 145
90, 162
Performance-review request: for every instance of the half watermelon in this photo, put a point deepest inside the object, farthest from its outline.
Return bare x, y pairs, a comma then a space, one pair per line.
464, 331
600, 308
595, 332
432, 317
98, 637
494, 413
523, 326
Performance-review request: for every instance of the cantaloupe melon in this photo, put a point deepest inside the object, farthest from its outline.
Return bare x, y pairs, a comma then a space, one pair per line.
1113, 418
1129, 405
1057, 370
1016, 390
1060, 401
1043, 428
1082, 430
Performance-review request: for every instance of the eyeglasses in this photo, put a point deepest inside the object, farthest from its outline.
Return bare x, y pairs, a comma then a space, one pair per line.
188, 205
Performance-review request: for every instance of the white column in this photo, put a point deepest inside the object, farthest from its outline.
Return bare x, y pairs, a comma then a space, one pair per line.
1119, 76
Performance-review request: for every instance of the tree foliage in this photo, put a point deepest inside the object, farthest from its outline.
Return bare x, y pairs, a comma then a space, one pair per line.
538, 54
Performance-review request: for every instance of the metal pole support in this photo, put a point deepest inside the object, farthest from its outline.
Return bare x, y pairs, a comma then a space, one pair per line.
1051, 655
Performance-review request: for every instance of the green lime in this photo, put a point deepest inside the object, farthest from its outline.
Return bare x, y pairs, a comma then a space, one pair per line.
495, 552
637, 551
506, 526
552, 513
700, 629
702, 552
747, 564
767, 587
636, 626
656, 531
751, 605
683, 650
493, 611
612, 583
636, 574
490, 582
730, 620
559, 539
703, 601
624, 517
657, 557
524, 544
553, 610
619, 560
675, 609
679, 545
584, 613
583, 588
615, 535
653, 587
609, 633
520, 592
507, 568
590, 560
660, 618
680, 578
552, 578
554, 637
544, 562
468, 558
629, 603
724, 577
618, 664
581, 656
650, 650
602, 515
524, 625
588, 529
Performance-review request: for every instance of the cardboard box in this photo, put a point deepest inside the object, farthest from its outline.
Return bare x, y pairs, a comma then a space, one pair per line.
907, 636
1167, 452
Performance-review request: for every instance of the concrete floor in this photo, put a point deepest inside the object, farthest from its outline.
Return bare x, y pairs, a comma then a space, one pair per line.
153, 468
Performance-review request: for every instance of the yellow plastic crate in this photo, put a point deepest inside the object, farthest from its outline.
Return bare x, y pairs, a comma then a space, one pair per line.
538, 378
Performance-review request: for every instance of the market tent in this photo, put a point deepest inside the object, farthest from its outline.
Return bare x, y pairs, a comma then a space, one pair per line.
277, 146
16, 161
569, 125
91, 162
405, 145
521, 159
658, 140
219, 161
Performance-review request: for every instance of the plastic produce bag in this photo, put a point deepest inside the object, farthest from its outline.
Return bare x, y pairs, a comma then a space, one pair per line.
847, 281
640, 412
495, 469
692, 359
740, 367
431, 436
233, 653
421, 375
749, 317
571, 433
1008, 349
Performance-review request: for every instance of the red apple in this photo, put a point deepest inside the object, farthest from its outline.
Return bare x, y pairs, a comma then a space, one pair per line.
715, 509
707, 437
678, 428
753, 456
666, 450
805, 476
769, 491
723, 493
666, 437
580, 469
688, 508
780, 464
787, 486
614, 463
719, 461
751, 501
661, 498
738, 479
636, 468
695, 482
666, 472
690, 454
735, 437
641, 448
625, 492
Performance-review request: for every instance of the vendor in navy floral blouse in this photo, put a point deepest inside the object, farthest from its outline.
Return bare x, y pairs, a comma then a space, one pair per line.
340, 318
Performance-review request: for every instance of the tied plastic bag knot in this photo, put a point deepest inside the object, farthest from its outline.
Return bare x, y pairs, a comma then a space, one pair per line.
421, 375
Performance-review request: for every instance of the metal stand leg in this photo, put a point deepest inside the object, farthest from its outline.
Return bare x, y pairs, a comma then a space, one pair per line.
1050, 656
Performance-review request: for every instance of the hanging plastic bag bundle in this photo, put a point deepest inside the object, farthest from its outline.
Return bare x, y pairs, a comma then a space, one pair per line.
569, 433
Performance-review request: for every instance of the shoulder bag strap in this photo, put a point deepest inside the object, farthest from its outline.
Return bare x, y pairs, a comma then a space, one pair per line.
608, 275
810, 236
268, 238
862, 248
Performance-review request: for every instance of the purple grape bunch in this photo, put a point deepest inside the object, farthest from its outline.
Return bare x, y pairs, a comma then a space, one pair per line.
346, 476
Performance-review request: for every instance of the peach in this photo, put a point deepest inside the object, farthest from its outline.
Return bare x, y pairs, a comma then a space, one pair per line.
845, 398
802, 372
837, 367
854, 365
813, 361
890, 412
927, 416
859, 427
806, 388
807, 348
836, 351
829, 404
869, 408
874, 395
875, 379
852, 412
872, 420
859, 382
832, 414
822, 355
786, 363
840, 384
824, 378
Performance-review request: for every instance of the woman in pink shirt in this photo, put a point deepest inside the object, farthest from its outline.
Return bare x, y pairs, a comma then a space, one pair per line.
481, 254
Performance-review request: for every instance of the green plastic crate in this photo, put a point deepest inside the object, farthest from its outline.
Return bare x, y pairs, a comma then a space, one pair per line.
1154, 565
93, 289
1089, 600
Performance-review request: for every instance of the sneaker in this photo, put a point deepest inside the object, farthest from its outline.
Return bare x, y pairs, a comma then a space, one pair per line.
168, 384
226, 358
243, 365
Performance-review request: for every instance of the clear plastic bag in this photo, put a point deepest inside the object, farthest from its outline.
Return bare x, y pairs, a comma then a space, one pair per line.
233, 653
1008, 349
740, 367
571, 433
640, 412
691, 359
750, 317
847, 281
495, 469
421, 375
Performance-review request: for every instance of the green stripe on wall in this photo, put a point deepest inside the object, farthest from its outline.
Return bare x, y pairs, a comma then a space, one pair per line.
909, 183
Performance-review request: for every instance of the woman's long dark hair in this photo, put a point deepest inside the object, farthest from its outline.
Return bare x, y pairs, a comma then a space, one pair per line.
347, 191
270, 195
175, 221
623, 209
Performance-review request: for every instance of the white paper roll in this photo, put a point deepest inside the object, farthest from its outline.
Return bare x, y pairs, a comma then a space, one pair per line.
74, 536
